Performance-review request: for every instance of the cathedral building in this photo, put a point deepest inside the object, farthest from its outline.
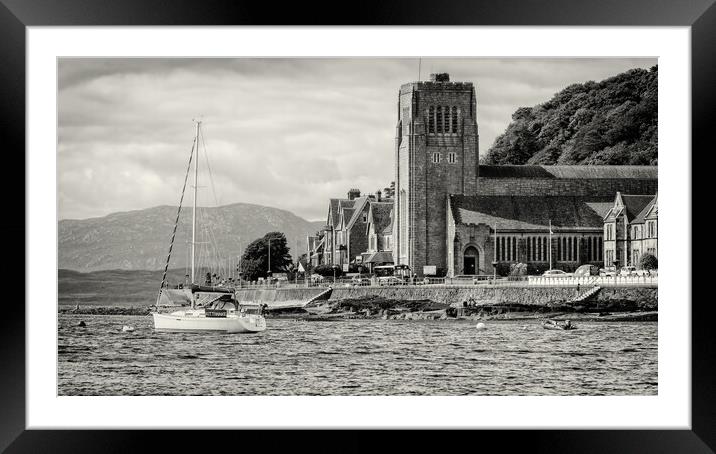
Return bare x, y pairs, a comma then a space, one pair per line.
453, 215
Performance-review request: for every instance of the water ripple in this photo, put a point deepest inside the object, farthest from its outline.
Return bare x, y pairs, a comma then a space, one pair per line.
357, 357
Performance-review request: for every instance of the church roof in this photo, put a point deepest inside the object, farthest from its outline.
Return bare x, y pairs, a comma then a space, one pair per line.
531, 212
568, 172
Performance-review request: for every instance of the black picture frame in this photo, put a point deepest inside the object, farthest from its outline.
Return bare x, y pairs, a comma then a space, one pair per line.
16, 15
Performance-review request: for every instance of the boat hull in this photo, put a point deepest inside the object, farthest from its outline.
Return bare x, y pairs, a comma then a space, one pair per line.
232, 324
557, 327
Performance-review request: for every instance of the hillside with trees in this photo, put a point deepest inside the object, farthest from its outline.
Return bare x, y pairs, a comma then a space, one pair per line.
612, 122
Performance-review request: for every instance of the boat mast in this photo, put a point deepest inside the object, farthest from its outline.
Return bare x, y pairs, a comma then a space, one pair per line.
193, 215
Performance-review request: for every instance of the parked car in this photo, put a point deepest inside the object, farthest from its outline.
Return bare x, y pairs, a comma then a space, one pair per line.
556, 273
390, 280
609, 272
315, 278
633, 271
587, 270
361, 280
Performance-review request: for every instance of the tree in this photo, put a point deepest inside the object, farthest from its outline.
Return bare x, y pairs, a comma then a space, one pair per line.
328, 270
389, 192
254, 261
609, 122
648, 262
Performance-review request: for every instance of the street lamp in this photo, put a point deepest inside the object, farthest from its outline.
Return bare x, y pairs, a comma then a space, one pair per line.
616, 270
494, 272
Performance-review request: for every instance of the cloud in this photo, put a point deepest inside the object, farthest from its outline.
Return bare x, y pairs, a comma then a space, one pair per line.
288, 133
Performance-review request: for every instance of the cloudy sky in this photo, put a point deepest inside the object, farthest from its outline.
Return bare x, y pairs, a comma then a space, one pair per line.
288, 133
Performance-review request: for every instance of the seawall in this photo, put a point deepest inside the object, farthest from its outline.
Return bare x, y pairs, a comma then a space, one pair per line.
626, 298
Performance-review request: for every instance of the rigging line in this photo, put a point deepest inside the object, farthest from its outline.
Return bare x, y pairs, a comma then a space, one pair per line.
176, 222
211, 176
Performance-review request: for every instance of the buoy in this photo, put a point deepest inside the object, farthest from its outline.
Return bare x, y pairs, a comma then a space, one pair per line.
480, 326
81, 324
127, 328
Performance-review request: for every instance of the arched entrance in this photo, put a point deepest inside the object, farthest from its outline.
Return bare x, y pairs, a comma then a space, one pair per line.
470, 260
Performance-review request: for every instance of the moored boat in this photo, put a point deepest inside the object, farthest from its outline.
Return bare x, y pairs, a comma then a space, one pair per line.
201, 307
554, 325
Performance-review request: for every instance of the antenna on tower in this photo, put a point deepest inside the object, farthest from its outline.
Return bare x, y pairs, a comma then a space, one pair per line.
420, 62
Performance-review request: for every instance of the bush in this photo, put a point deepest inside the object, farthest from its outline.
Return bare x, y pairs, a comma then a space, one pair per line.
538, 269
648, 262
503, 269
327, 270
518, 269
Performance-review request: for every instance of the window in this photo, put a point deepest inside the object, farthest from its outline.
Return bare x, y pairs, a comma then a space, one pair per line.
446, 128
439, 119
431, 120
454, 119
365, 217
452, 157
436, 157
387, 245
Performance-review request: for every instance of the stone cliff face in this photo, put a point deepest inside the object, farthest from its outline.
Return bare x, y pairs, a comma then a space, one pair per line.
139, 240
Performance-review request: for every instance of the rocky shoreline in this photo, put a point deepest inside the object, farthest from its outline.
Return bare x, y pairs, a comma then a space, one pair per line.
378, 307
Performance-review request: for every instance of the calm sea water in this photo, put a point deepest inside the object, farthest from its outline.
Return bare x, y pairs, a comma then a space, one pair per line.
358, 357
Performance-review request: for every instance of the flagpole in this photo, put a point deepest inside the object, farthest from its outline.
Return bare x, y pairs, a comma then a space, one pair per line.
550, 244
494, 259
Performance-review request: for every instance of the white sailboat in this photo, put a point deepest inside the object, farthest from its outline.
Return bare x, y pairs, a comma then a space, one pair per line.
211, 308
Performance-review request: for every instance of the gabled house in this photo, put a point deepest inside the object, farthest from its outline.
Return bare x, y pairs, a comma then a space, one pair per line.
644, 232
380, 234
331, 246
623, 224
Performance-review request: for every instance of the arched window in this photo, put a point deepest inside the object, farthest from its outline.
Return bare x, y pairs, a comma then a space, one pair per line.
454, 119
431, 120
439, 119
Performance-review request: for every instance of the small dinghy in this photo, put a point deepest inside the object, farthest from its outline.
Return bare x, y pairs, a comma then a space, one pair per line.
554, 325
127, 329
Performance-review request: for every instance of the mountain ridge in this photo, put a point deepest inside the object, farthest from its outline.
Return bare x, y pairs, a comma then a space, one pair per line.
139, 239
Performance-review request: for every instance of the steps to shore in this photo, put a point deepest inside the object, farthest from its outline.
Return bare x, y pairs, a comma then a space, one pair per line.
586, 294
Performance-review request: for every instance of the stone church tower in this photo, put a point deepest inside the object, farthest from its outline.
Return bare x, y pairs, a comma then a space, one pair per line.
436, 154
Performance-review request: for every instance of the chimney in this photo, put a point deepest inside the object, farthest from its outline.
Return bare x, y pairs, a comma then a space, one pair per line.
378, 194
440, 77
353, 194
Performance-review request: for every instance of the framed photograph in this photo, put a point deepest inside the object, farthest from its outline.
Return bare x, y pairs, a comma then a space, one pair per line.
435, 217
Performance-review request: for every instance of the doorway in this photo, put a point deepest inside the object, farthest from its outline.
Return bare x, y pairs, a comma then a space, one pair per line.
470, 260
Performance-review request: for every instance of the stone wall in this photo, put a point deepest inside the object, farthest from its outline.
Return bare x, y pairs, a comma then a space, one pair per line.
523, 296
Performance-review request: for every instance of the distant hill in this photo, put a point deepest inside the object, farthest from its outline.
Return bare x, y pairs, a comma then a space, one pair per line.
139, 240
610, 122
112, 287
